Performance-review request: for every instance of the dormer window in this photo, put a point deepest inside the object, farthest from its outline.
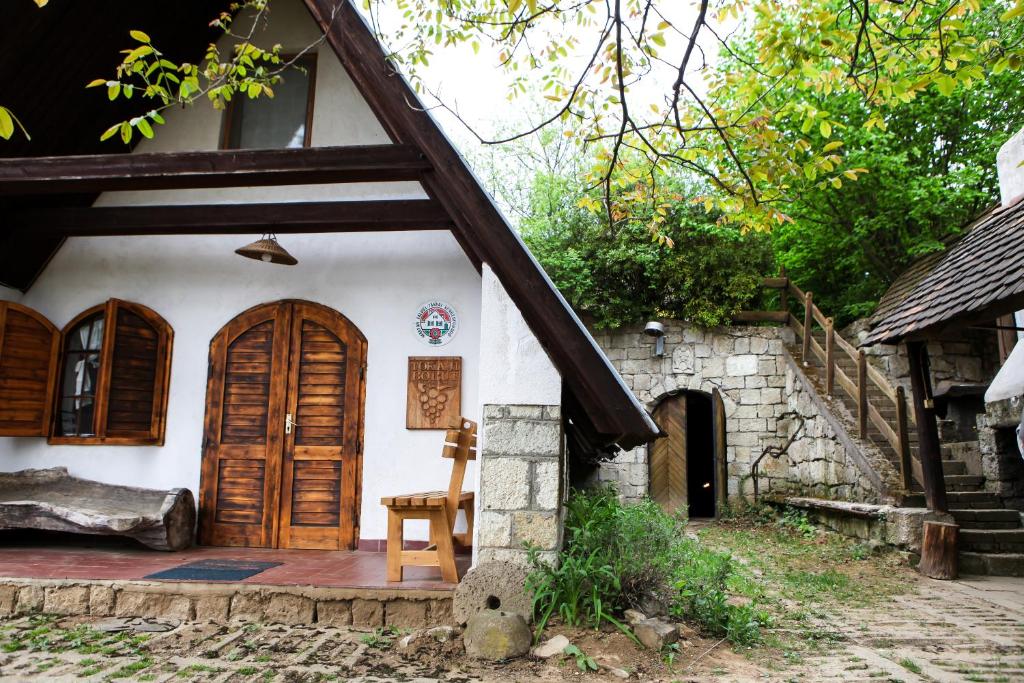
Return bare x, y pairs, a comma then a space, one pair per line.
278, 122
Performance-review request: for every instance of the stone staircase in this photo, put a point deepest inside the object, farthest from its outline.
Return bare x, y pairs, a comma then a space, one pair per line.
991, 537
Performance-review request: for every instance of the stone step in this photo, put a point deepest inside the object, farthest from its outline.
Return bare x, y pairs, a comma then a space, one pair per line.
953, 467
987, 519
992, 564
964, 482
975, 500
957, 450
992, 540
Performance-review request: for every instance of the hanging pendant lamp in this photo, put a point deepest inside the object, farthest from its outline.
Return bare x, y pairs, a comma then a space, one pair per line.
268, 250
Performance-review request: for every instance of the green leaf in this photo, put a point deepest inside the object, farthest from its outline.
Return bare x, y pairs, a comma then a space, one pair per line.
6, 123
139, 36
110, 132
1013, 12
97, 82
945, 84
126, 132
144, 128
113, 91
826, 129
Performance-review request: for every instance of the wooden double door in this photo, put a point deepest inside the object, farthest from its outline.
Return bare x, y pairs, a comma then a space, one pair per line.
687, 466
282, 447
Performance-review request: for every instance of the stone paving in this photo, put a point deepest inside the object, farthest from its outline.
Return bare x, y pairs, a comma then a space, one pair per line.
967, 630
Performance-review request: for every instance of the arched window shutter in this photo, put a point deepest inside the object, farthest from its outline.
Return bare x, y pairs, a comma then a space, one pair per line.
122, 400
137, 380
29, 346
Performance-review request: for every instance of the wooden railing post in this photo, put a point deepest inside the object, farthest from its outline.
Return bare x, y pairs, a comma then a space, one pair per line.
830, 357
808, 324
862, 393
784, 292
906, 469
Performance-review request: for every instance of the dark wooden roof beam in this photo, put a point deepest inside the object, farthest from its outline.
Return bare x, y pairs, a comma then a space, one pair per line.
228, 219
222, 168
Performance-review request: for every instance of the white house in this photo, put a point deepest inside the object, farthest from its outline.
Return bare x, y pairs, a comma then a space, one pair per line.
137, 348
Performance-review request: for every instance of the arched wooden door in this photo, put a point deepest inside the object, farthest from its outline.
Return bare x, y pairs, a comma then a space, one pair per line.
283, 435
667, 456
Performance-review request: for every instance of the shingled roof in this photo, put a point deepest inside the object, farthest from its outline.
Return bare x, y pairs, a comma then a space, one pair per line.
977, 279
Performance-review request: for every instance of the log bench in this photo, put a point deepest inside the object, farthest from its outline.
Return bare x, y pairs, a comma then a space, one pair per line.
53, 500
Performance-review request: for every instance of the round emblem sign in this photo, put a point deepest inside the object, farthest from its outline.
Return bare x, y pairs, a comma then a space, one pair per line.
436, 323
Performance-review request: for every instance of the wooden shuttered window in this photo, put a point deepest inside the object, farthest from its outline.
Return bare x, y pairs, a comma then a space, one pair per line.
29, 344
114, 376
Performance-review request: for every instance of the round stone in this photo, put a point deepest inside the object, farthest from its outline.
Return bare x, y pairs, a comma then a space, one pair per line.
493, 586
496, 635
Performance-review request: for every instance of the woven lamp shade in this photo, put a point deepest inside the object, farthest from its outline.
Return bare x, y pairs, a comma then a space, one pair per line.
267, 249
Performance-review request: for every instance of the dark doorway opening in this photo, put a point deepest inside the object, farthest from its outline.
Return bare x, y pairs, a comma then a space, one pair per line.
700, 463
683, 464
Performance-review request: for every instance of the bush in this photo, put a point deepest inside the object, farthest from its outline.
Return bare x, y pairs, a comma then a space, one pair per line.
618, 556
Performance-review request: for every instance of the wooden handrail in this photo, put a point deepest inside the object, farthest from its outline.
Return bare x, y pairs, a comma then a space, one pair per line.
896, 433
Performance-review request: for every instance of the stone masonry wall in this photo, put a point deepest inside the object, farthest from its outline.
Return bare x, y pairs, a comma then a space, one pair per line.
749, 367
1001, 460
520, 486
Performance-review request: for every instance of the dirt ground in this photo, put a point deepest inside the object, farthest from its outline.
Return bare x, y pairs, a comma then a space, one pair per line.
833, 612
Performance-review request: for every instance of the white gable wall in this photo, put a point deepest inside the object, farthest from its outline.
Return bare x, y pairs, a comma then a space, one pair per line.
198, 284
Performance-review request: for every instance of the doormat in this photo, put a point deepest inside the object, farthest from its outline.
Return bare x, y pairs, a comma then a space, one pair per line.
214, 570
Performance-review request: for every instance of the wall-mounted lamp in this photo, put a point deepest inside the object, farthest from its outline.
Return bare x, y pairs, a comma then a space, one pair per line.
656, 330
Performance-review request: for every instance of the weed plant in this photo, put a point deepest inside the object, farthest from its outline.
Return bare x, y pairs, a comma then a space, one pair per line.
619, 556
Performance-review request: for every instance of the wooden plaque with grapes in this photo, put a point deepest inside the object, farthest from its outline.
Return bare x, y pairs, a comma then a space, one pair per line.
435, 392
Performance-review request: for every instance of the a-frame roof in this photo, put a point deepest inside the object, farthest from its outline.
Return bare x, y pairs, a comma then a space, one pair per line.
602, 409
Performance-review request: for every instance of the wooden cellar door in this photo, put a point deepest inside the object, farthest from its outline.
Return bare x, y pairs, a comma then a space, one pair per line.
668, 456
283, 430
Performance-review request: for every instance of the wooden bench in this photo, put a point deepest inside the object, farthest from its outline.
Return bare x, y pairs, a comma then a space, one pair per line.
53, 500
439, 508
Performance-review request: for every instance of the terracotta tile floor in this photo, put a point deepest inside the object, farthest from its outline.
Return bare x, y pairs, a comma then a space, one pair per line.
107, 559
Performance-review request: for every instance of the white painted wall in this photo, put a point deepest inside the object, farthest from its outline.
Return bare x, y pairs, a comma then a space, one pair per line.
514, 369
1011, 173
198, 284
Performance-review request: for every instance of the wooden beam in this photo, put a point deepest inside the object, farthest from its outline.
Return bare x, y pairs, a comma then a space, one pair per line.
228, 219
929, 451
223, 168
760, 317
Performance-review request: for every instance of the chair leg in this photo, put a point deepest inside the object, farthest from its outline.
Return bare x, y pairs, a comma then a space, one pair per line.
468, 509
395, 543
445, 549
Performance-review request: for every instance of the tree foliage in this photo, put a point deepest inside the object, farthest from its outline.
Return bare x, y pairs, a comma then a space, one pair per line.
615, 276
932, 172
750, 130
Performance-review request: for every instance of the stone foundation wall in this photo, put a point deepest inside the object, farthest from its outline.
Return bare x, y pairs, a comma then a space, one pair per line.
1001, 461
520, 490
223, 604
751, 368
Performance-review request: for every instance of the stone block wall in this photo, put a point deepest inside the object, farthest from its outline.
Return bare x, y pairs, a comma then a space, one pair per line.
520, 490
1001, 460
752, 369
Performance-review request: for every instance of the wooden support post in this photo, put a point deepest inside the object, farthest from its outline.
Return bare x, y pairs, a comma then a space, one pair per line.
862, 393
927, 427
939, 550
830, 357
808, 324
902, 427
784, 292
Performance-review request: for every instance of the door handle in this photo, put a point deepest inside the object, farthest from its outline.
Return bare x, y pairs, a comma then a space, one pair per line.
288, 423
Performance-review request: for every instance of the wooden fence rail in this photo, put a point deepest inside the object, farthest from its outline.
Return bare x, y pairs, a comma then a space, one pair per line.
894, 429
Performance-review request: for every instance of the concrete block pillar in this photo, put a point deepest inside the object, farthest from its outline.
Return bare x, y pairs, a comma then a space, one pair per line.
520, 478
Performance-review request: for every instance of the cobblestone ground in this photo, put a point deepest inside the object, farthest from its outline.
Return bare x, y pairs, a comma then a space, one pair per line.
968, 630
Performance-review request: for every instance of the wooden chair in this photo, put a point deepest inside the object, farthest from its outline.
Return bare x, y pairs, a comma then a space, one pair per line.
439, 508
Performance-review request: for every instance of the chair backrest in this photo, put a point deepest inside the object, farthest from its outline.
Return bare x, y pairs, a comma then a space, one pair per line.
459, 445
